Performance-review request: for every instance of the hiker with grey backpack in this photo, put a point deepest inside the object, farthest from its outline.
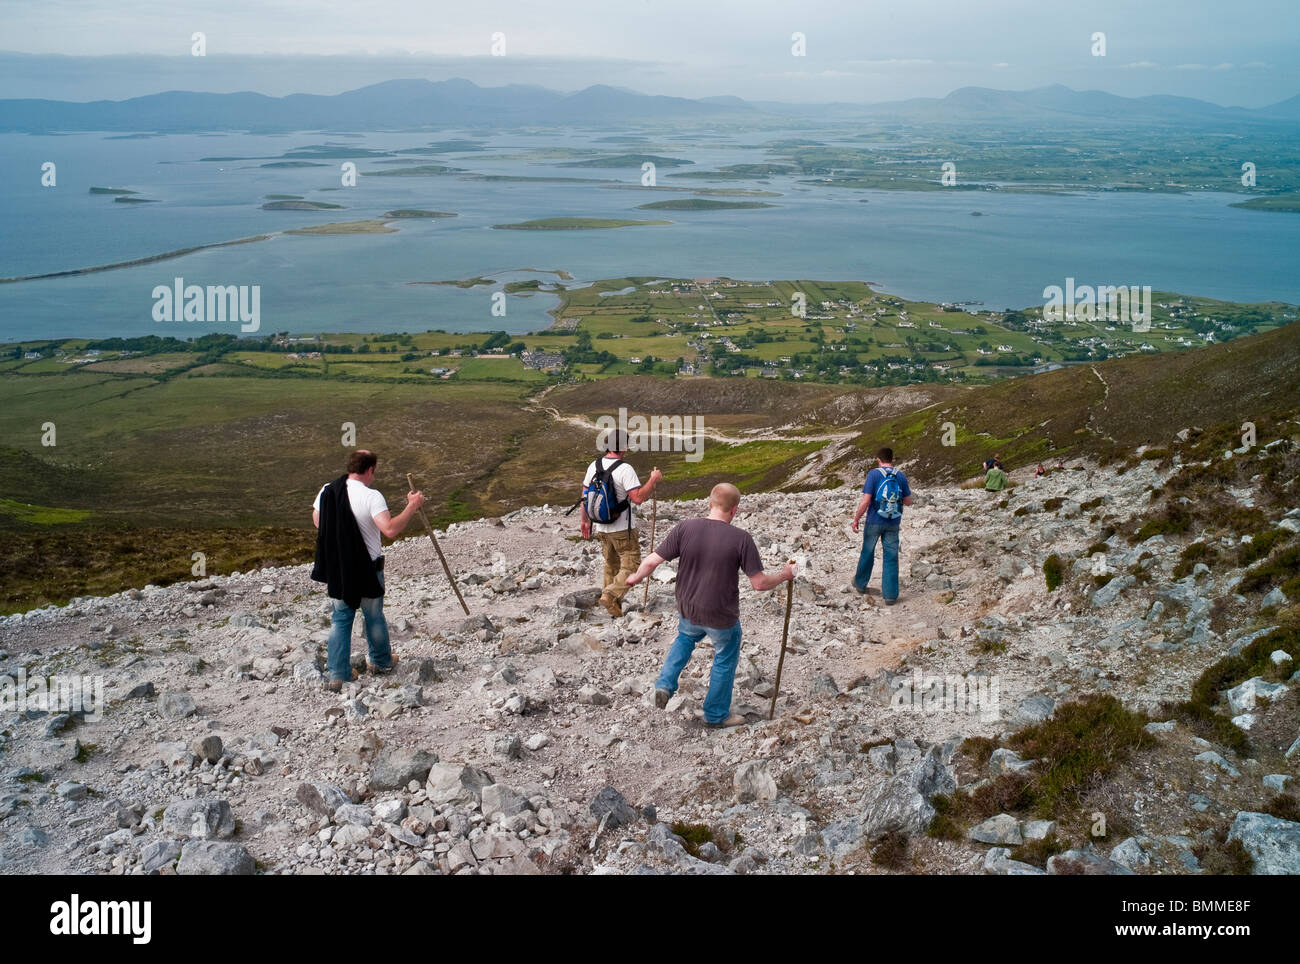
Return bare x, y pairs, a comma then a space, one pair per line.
884, 494
610, 491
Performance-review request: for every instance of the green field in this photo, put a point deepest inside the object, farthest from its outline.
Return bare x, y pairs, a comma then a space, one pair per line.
215, 444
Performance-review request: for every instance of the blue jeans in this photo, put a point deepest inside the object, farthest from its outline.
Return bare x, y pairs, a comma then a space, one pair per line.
726, 654
340, 645
888, 537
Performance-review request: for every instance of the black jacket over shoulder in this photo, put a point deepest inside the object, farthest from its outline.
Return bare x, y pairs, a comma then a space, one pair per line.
342, 562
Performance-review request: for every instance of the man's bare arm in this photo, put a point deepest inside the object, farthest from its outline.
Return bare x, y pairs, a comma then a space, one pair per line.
645, 490
763, 582
393, 526
863, 505
648, 565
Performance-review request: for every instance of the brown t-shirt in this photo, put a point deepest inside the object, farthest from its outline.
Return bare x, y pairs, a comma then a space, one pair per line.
710, 552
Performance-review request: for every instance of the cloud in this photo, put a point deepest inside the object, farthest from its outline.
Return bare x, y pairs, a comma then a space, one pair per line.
1140, 65
1222, 66
1190, 67
1000, 66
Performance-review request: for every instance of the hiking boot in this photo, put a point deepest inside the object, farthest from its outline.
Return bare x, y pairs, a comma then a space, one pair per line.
611, 606
854, 587
735, 719
336, 685
372, 668
890, 602
662, 697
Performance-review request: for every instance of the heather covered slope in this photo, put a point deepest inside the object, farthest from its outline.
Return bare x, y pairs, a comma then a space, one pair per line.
1104, 410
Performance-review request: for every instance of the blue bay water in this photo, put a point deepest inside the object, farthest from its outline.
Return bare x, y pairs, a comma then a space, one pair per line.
924, 246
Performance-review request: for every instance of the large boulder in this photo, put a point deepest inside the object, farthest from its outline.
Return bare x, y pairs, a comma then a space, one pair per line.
396, 766
455, 784
903, 804
609, 802
497, 798
1274, 843
210, 858
1003, 829
321, 798
176, 705
1246, 696
202, 819
1085, 862
753, 781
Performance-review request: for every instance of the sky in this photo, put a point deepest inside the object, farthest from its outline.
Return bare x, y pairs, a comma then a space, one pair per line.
860, 51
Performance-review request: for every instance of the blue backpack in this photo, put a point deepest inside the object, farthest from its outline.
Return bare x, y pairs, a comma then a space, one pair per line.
601, 497
888, 500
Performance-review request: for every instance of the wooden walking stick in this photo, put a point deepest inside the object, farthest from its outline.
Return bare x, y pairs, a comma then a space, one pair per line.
654, 516
437, 548
785, 633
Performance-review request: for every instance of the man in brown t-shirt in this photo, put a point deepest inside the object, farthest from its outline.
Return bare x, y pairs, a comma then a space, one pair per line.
711, 551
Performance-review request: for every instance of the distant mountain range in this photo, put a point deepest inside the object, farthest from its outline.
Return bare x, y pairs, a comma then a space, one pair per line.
461, 103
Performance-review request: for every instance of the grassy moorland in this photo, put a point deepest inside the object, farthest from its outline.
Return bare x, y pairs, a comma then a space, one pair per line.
164, 448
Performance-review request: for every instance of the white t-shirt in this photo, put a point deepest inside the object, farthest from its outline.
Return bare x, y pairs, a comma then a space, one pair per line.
366, 504
625, 479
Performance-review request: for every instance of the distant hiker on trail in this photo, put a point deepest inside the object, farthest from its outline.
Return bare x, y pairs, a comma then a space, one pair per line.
609, 491
884, 494
995, 480
993, 463
1060, 465
1040, 471
350, 517
711, 551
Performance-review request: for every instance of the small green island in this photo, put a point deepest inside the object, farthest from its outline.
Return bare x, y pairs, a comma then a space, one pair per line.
702, 204
417, 213
518, 287
574, 224
700, 191
530, 179
300, 206
417, 170
371, 226
112, 190
459, 283
629, 160
135, 200
1287, 203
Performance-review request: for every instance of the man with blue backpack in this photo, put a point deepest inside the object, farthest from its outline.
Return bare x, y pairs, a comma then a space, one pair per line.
609, 491
884, 494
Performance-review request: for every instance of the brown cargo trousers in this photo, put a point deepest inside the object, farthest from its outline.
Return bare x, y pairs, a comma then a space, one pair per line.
622, 552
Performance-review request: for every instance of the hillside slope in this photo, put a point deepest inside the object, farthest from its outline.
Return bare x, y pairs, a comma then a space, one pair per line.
1155, 685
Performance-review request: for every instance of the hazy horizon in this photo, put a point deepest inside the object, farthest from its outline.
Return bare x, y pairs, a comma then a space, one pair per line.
83, 51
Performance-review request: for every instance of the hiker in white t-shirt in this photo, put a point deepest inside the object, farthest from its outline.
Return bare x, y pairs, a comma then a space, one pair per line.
348, 568
618, 537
